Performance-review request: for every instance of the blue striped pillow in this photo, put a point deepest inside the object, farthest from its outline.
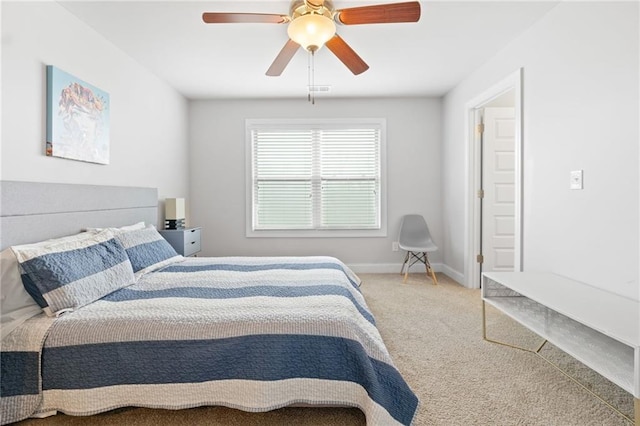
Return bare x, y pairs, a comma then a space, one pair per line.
68, 273
147, 250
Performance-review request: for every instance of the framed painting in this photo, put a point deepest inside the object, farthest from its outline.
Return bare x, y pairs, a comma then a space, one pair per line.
77, 118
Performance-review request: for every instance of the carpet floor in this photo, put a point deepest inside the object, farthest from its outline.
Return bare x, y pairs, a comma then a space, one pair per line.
434, 334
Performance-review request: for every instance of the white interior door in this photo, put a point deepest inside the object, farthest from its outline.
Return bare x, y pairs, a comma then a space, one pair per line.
498, 183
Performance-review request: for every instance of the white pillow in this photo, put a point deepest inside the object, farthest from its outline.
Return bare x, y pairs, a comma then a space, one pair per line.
135, 226
16, 305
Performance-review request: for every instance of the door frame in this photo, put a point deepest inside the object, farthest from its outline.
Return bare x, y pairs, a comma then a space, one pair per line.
513, 82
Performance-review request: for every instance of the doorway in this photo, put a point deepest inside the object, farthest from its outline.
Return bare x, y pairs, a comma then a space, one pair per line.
493, 236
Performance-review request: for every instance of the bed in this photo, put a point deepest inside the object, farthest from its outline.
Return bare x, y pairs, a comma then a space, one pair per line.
250, 333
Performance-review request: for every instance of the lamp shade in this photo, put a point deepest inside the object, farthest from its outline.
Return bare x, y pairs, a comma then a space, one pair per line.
174, 208
311, 31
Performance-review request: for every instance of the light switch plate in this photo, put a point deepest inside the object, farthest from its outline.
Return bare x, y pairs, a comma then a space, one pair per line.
576, 179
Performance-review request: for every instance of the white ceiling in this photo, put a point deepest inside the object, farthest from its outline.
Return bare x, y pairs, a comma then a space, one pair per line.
202, 61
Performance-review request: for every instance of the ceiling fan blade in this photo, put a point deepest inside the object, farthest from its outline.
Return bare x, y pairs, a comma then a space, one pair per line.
235, 18
347, 55
380, 14
283, 58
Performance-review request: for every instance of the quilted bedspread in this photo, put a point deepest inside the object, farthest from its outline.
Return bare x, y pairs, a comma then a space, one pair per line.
254, 334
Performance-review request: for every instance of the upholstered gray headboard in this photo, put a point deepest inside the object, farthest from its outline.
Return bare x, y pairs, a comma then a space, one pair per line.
32, 212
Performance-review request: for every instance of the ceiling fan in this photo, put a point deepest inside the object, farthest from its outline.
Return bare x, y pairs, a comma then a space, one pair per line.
312, 25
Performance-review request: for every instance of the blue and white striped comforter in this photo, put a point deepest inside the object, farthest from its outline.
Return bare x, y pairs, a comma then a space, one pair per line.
254, 334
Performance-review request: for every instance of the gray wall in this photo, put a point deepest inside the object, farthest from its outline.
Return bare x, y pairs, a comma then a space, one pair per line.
217, 176
148, 118
580, 112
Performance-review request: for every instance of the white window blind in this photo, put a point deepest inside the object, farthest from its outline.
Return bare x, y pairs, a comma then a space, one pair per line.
316, 176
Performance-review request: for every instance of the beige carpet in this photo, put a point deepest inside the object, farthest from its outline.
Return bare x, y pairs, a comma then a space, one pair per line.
434, 335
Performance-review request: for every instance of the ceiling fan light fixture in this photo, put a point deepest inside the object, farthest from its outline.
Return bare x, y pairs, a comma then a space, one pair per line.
311, 31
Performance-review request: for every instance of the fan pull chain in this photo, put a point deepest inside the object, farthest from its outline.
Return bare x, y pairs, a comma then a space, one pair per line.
313, 77
311, 97
309, 76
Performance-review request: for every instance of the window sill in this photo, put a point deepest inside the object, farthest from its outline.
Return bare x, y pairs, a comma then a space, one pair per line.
317, 233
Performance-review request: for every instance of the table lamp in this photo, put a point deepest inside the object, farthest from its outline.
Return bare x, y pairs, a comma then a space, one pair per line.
174, 213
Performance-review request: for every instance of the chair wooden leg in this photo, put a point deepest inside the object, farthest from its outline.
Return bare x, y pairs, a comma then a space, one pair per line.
407, 262
430, 269
433, 275
426, 263
406, 259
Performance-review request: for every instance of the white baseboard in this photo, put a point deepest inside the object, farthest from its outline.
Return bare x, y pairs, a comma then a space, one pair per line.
453, 274
394, 268
389, 268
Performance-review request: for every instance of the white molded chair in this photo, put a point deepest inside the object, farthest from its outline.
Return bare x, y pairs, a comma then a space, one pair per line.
415, 238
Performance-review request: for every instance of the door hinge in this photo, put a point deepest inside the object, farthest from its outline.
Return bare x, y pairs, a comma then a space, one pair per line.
480, 193
480, 258
480, 128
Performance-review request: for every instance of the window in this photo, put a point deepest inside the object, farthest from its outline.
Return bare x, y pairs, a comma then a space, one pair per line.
315, 177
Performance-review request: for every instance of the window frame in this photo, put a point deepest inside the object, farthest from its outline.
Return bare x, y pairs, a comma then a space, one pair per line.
251, 124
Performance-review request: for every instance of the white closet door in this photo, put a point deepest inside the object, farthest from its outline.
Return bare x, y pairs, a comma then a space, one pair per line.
498, 181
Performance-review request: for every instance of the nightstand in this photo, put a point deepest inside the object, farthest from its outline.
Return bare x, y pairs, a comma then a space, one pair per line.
185, 241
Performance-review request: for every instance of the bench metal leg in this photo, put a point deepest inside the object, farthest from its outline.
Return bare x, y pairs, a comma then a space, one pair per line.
484, 335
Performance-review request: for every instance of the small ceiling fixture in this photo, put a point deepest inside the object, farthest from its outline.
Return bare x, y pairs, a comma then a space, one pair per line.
311, 31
